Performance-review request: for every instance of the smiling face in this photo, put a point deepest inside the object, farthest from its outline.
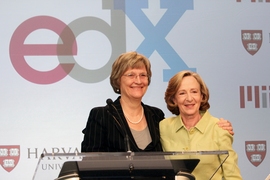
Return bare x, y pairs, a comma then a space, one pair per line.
126, 62
188, 97
134, 83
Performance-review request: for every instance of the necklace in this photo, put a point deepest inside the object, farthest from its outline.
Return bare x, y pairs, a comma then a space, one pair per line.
136, 122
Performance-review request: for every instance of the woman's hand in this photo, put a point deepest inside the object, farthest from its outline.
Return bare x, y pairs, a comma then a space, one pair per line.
227, 125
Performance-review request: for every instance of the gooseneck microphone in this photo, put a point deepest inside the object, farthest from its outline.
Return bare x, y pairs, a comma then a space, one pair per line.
121, 124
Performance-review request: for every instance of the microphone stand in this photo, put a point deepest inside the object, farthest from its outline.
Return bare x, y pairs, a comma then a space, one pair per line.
126, 138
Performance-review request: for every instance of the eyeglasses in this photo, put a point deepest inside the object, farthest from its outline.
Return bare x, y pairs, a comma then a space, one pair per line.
142, 76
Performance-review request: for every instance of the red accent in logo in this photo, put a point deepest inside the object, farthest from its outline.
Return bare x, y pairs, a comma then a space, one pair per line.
252, 40
255, 151
259, 95
9, 156
18, 49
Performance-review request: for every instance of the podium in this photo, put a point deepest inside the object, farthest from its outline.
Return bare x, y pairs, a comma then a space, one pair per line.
122, 165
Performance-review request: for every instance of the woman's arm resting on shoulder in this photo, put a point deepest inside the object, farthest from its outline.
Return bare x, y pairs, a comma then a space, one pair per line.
227, 125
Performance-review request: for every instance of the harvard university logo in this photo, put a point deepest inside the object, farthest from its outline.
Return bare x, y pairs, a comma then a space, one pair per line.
252, 40
9, 156
255, 151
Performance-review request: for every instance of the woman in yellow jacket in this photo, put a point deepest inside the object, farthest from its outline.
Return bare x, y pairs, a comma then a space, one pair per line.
195, 129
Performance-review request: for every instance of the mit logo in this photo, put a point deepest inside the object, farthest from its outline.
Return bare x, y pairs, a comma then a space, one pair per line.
259, 95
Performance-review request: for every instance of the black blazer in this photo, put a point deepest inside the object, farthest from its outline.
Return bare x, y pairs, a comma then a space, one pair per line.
104, 131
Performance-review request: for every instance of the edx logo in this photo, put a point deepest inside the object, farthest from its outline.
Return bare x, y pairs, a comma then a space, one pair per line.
66, 48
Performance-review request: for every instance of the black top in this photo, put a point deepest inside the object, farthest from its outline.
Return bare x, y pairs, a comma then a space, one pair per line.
106, 129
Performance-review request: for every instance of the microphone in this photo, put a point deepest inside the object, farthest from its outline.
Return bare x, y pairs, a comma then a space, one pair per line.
121, 124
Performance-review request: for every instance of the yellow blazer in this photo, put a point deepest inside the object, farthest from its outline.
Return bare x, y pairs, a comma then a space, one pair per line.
205, 136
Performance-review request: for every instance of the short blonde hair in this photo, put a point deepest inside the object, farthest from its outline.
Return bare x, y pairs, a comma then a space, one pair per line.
125, 61
175, 83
